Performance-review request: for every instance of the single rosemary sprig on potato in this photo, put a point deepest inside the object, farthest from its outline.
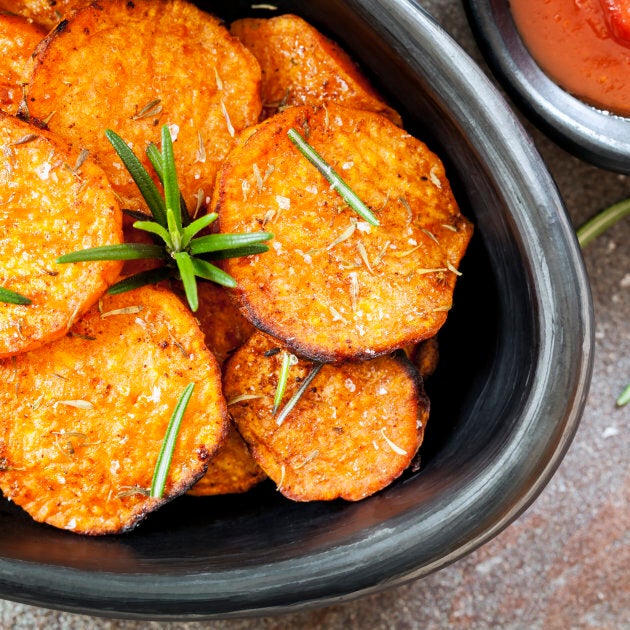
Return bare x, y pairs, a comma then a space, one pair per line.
163, 463
332, 177
186, 256
11, 297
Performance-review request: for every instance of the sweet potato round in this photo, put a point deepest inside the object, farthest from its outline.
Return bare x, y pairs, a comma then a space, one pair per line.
49, 207
333, 287
84, 418
134, 66
232, 470
300, 66
355, 429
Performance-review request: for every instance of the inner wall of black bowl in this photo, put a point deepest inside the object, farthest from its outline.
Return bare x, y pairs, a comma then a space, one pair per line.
485, 366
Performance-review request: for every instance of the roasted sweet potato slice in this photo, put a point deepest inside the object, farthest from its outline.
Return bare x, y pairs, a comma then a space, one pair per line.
355, 429
84, 418
332, 286
221, 321
300, 66
52, 202
426, 356
46, 13
231, 471
18, 39
134, 66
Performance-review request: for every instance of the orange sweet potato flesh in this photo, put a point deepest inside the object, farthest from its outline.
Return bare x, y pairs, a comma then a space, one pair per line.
84, 418
355, 430
331, 286
134, 66
300, 66
48, 207
221, 322
46, 13
18, 39
231, 471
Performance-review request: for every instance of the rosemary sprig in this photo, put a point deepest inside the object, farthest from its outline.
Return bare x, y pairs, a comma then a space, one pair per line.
186, 255
332, 177
165, 456
11, 297
286, 410
602, 221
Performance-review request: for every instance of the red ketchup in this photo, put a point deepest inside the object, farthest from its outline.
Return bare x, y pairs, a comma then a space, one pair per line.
583, 45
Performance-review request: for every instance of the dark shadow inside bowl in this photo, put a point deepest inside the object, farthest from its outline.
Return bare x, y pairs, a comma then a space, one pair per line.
496, 431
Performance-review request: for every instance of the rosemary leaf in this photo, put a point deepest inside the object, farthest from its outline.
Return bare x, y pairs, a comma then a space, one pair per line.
332, 177
154, 227
298, 394
196, 226
11, 297
187, 273
174, 230
122, 251
165, 456
624, 397
218, 242
282, 381
155, 157
141, 279
237, 252
602, 221
169, 177
208, 271
143, 180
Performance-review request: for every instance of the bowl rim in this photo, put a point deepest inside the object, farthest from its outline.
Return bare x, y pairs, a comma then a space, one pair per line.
589, 133
388, 557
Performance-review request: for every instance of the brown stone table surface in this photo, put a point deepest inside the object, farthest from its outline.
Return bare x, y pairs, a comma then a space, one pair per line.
565, 563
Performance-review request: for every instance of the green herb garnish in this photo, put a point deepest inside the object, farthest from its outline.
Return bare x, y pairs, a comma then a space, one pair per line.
286, 410
186, 256
624, 397
165, 456
332, 177
11, 297
602, 221
287, 360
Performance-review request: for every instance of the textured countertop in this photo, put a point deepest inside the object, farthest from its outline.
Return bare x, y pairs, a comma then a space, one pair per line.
565, 563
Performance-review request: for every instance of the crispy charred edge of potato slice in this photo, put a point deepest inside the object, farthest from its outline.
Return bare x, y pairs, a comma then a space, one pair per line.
98, 321
271, 462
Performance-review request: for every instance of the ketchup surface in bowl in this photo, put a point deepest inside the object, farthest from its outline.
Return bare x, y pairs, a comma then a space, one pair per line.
583, 45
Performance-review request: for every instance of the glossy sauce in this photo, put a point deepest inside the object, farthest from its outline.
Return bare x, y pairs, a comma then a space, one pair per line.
583, 45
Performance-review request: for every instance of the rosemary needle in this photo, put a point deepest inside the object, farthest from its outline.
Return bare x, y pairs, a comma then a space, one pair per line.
11, 297
624, 397
165, 456
287, 360
602, 221
333, 178
286, 410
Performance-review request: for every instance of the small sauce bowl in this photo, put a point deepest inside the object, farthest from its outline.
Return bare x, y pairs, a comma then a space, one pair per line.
594, 135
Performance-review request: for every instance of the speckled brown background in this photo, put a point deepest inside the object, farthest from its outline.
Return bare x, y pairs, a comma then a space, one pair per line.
565, 563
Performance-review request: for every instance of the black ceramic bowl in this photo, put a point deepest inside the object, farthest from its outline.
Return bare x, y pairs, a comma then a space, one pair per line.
515, 368
591, 134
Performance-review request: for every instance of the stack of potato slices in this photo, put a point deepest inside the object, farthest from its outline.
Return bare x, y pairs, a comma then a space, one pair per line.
310, 372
